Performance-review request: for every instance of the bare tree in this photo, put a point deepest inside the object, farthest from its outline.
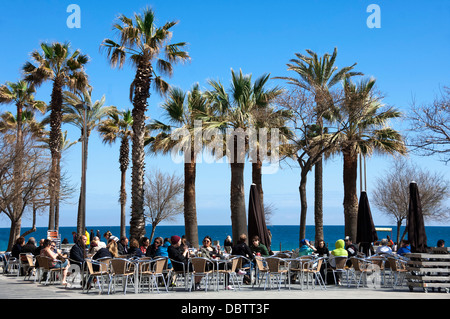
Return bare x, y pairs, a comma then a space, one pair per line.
391, 194
35, 170
163, 200
432, 124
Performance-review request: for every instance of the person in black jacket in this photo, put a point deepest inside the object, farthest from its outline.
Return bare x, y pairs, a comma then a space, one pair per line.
78, 251
242, 249
181, 257
122, 246
30, 247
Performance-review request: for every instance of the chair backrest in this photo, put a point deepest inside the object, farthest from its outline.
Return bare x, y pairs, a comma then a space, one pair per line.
30, 260
305, 261
378, 260
23, 258
145, 265
356, 263
198, 264
234, 264
340, 262
159, 265
259, 264
119, 266
104, 264
89, 266
319, 264
273, 263
37, 261
44, 262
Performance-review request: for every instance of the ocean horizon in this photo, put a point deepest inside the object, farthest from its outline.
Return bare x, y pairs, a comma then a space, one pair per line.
284, 237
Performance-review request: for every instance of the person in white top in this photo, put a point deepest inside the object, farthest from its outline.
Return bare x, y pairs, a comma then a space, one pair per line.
384, 248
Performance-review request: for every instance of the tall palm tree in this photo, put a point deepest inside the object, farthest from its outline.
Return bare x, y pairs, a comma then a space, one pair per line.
237, 112
80, 111
265, 116
367, 131
65, 190
119, 125
182, 109
22, 95
142, 41
65, 69
318, 76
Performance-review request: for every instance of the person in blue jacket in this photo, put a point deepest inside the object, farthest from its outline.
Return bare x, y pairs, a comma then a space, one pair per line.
162, 251
405, 248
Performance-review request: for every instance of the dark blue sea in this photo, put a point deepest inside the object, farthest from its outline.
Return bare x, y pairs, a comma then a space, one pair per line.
283, 237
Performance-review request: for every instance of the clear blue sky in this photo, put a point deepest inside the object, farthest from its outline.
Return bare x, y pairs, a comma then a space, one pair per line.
408, 56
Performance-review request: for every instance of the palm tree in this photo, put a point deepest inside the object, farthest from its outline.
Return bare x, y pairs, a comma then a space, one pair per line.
318, 76
80, 111
143, 42
118, 125
182, 110
237, 111
64, 69
22, 95
366, 132
65, 190
264, 116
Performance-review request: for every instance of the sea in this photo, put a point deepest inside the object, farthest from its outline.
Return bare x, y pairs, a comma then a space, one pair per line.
284, 237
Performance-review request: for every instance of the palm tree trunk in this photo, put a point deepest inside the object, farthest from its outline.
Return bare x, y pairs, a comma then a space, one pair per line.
257, 179
350, 194
318, 200
55, 147
304, 207
141, 94
190, 209
124, 161
237, 196
237, 201
18, 164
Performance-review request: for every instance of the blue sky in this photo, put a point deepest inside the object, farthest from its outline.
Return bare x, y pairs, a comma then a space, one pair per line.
408, 56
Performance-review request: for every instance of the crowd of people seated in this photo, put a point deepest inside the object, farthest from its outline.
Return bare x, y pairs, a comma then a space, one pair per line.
179, 250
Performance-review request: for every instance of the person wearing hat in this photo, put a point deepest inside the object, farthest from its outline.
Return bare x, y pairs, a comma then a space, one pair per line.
306, 248
180, 257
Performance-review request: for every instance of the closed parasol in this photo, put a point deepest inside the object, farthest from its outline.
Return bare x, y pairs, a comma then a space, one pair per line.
416, 226
365, 232
256, 219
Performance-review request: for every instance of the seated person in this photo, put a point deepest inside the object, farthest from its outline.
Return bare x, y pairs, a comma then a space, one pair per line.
384, 248
241, 249
322, 249
340, 251
162, 252
207, 249
48, 251
110, 251
404, 248
78, 251
180, 258
122, 246
257, 247
306, 248
134, 250
30, 247
151, 250
177, 255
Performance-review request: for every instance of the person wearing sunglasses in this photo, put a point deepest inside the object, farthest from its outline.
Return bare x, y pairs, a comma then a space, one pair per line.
49, 251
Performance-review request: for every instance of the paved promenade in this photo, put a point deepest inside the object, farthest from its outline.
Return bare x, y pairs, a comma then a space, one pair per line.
12, 287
